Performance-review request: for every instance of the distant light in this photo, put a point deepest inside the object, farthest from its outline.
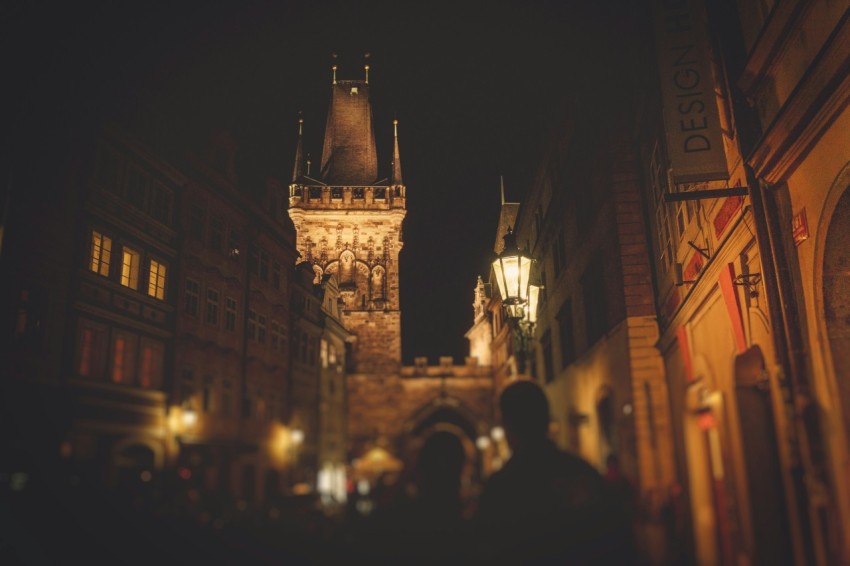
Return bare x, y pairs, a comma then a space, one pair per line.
363, 487
498, 433
18, 481
627, 409
185, 473
146, 476
190, 417
482, 442
297, 435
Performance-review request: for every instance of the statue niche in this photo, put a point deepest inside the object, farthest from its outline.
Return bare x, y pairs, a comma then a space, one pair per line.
378, 287
354, 277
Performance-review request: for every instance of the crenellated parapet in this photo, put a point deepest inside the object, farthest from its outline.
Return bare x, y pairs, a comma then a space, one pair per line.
324, 197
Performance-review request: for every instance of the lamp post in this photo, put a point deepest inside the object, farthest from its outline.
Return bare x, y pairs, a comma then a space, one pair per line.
512, 268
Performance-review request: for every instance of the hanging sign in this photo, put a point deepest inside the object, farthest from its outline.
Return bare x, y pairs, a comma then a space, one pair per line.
689, 105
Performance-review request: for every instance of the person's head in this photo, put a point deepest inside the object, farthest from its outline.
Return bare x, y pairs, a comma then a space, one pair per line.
525, 411
441, 459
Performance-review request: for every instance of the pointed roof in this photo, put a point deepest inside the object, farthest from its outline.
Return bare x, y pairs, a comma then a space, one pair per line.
507, 218
396, 178
348, 154
296, 170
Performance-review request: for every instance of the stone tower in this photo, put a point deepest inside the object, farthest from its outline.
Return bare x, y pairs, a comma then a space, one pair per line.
348, 223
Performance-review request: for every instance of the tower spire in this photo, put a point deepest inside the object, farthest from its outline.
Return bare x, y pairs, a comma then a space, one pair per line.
333, 67
296, 170
396, 180
366, 66
502, 187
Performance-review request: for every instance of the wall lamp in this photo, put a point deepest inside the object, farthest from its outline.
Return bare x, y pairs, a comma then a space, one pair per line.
750, 281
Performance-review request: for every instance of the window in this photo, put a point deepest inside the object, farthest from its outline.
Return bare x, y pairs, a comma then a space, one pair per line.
207, 394
264, 265
212, 307
130, 260
159, 203
196, 221
150, 363
91, 349
278, 336
230, 314
190, 297
156, 280
256, 326
123, 357
565, 330
658, 186
258, 263
187, 388
276, 275
101, 252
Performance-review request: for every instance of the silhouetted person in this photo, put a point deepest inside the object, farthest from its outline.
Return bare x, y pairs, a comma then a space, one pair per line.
426, 527
545, 506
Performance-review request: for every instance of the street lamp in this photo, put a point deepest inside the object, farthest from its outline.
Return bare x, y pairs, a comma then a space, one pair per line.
512, 268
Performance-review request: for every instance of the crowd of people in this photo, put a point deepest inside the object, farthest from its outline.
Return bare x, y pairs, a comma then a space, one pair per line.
544, 506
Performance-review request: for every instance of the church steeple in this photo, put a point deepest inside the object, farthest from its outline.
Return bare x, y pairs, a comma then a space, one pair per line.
296, 170
349, 157
396, 178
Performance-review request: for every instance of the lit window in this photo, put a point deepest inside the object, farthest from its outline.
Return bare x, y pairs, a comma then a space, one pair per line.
156, 280
101, 251
130, 268
230, 314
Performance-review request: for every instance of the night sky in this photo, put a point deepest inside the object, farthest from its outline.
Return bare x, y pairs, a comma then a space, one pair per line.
474, 86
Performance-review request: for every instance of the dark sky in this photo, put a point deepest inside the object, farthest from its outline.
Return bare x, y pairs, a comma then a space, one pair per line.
472, 84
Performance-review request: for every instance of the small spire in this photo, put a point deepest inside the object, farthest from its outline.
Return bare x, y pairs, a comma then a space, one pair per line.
296, 170
333, 67
396, 180
502, 187
366, 66
309, 162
